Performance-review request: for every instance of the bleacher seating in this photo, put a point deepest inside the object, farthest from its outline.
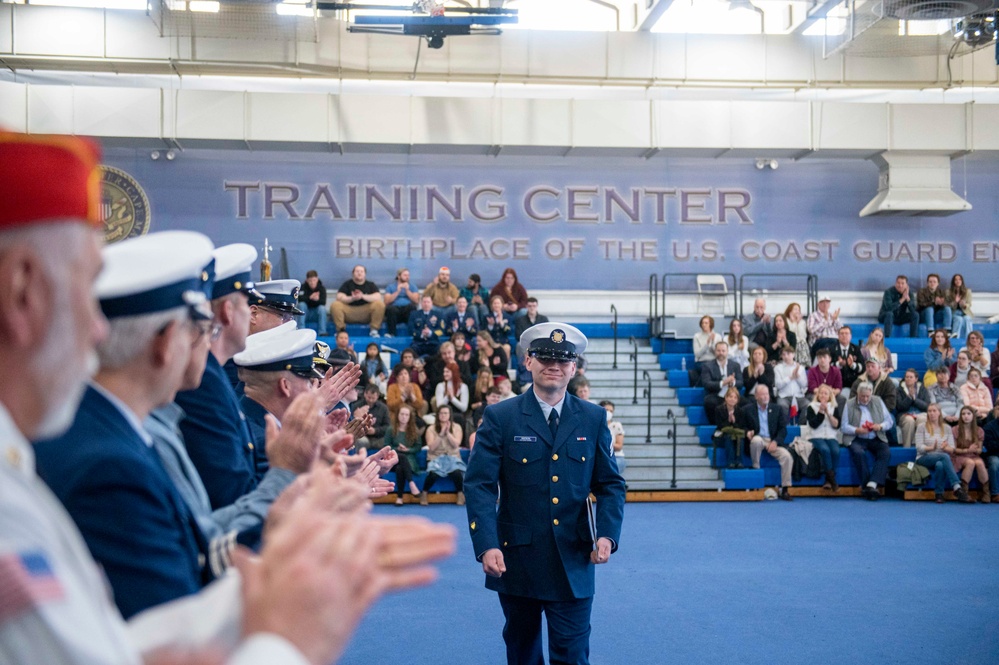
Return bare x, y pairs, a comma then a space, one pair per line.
442, 484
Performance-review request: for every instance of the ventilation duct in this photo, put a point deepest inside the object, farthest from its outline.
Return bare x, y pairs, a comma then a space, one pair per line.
932, 10
914, 184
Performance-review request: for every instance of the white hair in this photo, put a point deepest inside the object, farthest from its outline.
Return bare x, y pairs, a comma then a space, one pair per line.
865, 386
129, 336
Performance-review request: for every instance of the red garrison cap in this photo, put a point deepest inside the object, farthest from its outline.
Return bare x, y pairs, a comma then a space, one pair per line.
48, 178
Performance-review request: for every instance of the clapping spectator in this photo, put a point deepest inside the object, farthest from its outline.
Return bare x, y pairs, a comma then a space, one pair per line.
344, 344
931, 303
373, 368
796, 324
946, 397
492, 356
824, 373
497, 324
717, 377
939, 353
402, 391
478, 297
427, 327
404, 438
911, 401
779, 337
847, 357
823, 417
875, 348
756, 325
959, 300
512, 292
977, 353
730, 431
738, 344
401, 300
934, 444
358, 301
959, 370
443, 294
758, 371
976, 395
705, 340
791, 382
461, 320
444, 455
898, 307
969, 441
823, 326
451, 391
483, 382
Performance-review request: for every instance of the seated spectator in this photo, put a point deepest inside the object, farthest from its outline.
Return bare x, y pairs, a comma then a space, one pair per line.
969, 441
462, 348
717, 377
492, 356
756, 325
461, 320
407, 359
343, 344
617, 435
823, 326
358, 301
452, 391
427, 327
847, 357
435, 364
779, 337
442, 292
738, 344
863, 425
374, 433
823, 416
959, 300
875, 348
405, 440
759, 371
579, 387
897, 307
528, 319
931, 304
400, 301
373, 368
911, 401
976, 395
497, 324
947, 397
824, 373
766, 429
977, 353
443, 440
493, 396
959, 370
796, 324
477, 297
730, 431
940, 353
512, 292
313, 296
934, 445
791, 381
705, 340
884, 389
402, 391
483, 382
991, 454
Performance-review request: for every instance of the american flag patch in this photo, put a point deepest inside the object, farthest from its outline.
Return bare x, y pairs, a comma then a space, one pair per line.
26, 580
580, 438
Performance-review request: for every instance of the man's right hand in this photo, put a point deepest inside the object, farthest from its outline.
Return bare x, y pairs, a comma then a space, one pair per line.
492, 563
294, 446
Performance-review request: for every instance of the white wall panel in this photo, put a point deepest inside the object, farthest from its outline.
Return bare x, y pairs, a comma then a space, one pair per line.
875, 70
535, 122
60, 31
742, 58
841, 126
928, 127
985, 127
50, 109
685, 124
567, 54
128, 38
125, 112
447, 120
207, 114
630, 55
371, 119
670, 58
771, 125
609, 124
13, 106
282, 117
6, 28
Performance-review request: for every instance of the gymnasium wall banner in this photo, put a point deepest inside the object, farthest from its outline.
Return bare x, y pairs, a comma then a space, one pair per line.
573, 223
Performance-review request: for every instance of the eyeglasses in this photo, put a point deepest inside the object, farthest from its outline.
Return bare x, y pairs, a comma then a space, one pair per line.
210, 328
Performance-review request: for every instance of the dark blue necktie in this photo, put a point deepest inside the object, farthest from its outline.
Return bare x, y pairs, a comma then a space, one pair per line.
553, 422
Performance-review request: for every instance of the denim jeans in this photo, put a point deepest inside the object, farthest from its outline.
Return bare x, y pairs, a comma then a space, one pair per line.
828, 451
993, 463
962, 325
944, 476
907, 314
858, 452
316, 315
936, 317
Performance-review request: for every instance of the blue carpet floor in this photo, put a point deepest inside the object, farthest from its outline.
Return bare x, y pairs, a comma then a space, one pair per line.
816, 581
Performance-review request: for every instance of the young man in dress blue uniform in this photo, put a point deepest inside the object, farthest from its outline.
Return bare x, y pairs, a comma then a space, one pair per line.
543, 453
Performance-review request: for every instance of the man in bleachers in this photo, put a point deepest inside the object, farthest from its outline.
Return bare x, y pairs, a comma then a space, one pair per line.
313, 296
847, 357
528, 318
897, 307
442, 292
884, 389
371, 404
461, 320
766, 429
823, 326
400, 301
717, 376
358, 300
931, 304
947, 397
756, 325
825, 373
478, 298
427, 326
864, 424
343, 344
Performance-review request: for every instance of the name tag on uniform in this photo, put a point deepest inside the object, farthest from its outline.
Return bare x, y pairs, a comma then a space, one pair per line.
524, 439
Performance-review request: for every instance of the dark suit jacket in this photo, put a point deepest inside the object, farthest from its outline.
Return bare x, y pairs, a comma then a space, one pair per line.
849, 372
546, 544
776, 421
522, 323
711, 376
134, 520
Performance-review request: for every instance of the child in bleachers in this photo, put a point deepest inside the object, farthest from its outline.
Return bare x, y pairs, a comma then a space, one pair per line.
969, 441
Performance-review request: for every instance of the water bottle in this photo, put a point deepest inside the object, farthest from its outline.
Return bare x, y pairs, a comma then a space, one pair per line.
683, 364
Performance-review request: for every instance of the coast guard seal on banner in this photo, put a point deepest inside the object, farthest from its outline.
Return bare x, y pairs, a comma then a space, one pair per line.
124, 206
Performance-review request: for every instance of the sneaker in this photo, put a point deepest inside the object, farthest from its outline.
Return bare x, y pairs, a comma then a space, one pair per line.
399, 501
389, 335
785, 495
870, 493
953, 335
939, 498
373, 333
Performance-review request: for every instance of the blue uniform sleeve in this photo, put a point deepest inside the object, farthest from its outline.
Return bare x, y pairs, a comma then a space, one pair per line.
482, 484
251, 509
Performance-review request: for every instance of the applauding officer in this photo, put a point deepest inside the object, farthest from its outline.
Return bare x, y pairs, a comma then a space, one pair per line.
547, 451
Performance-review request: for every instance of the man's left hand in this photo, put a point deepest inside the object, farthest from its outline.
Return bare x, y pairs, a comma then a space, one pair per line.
603, 551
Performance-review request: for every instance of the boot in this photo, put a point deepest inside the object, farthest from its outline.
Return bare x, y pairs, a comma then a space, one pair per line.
461, 499
832, 480
962, 493
829, 480
985, 498
423, 499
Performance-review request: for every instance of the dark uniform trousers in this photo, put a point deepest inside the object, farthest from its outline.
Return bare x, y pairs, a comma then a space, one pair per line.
541, 525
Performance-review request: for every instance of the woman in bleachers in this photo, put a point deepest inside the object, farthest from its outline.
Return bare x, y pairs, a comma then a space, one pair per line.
976, 394
738, 344
405, 440
823, 417
977, 353
511, 292
758, 371
444, 455
938, 354
483, 382
797, 325
959, 300
934, 444
497, 324
452, 391
911, 401
959, 370
705, 340
493, 356
791, 382
779, 337
967, 456
947, 398
875, 348
730, 431
404, 392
